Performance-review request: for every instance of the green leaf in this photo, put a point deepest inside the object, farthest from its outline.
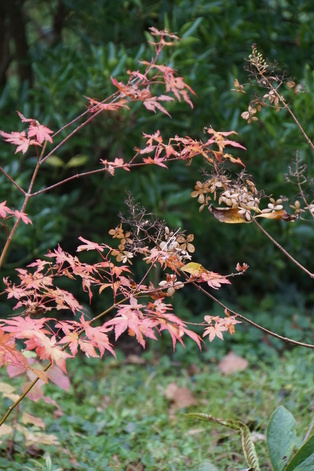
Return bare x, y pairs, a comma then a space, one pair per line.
281, 437
77, 161
304, 459
246, 438
55, 161
189, 28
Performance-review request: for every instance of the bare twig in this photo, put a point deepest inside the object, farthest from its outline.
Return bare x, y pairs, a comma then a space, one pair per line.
248, 321
308, 206
12, 181
298, 264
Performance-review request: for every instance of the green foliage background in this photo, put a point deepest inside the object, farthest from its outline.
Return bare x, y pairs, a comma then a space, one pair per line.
104, 38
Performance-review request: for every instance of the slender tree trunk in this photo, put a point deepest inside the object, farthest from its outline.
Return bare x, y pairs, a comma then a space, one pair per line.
5, 57
59, 19
15, 26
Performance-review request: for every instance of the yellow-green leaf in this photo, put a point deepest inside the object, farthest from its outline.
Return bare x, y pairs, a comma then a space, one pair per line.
77, 161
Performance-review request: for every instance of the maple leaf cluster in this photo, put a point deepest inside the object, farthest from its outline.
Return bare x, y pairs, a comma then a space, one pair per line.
138, 308
35, 135
140, 84
186, 148
37, 293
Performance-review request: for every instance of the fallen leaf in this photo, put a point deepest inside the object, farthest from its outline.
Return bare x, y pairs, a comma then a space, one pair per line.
5, 429
31, 419
232, 363
135, 360
180, 396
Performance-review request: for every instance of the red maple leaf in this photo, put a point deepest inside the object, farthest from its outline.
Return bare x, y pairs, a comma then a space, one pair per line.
8, 353
36, 129
153, 103
97, 336
47, 349
130, 316
71, 337
161, 312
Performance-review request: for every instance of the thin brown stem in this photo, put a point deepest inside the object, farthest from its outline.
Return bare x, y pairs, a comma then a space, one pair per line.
12, 181
300, 187
298, 264
15, 226
66, 180
20, 399
70, 135
287, 107
308, 140
248, 321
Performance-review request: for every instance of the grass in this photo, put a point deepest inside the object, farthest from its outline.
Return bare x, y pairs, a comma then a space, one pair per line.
118, 415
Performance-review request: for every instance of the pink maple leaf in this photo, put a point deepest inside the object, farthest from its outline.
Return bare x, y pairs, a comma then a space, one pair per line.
215, 328
22, 327
156, 161
130, 317
97, 336
36, 129
18, 139
23, 216
89, 245
47, 349
4, 210
214, 280
41, 132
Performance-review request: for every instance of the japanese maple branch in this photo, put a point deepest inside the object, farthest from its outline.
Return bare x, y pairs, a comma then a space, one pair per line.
66, 180
90, 172
79, 333
248, 321
80, 126
283, 250
34, 382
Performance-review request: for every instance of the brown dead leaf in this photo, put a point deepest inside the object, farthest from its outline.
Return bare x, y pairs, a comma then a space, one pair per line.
5, 429
228, 215
135, 360
180, 396
232, 363
31, 419
282, 215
